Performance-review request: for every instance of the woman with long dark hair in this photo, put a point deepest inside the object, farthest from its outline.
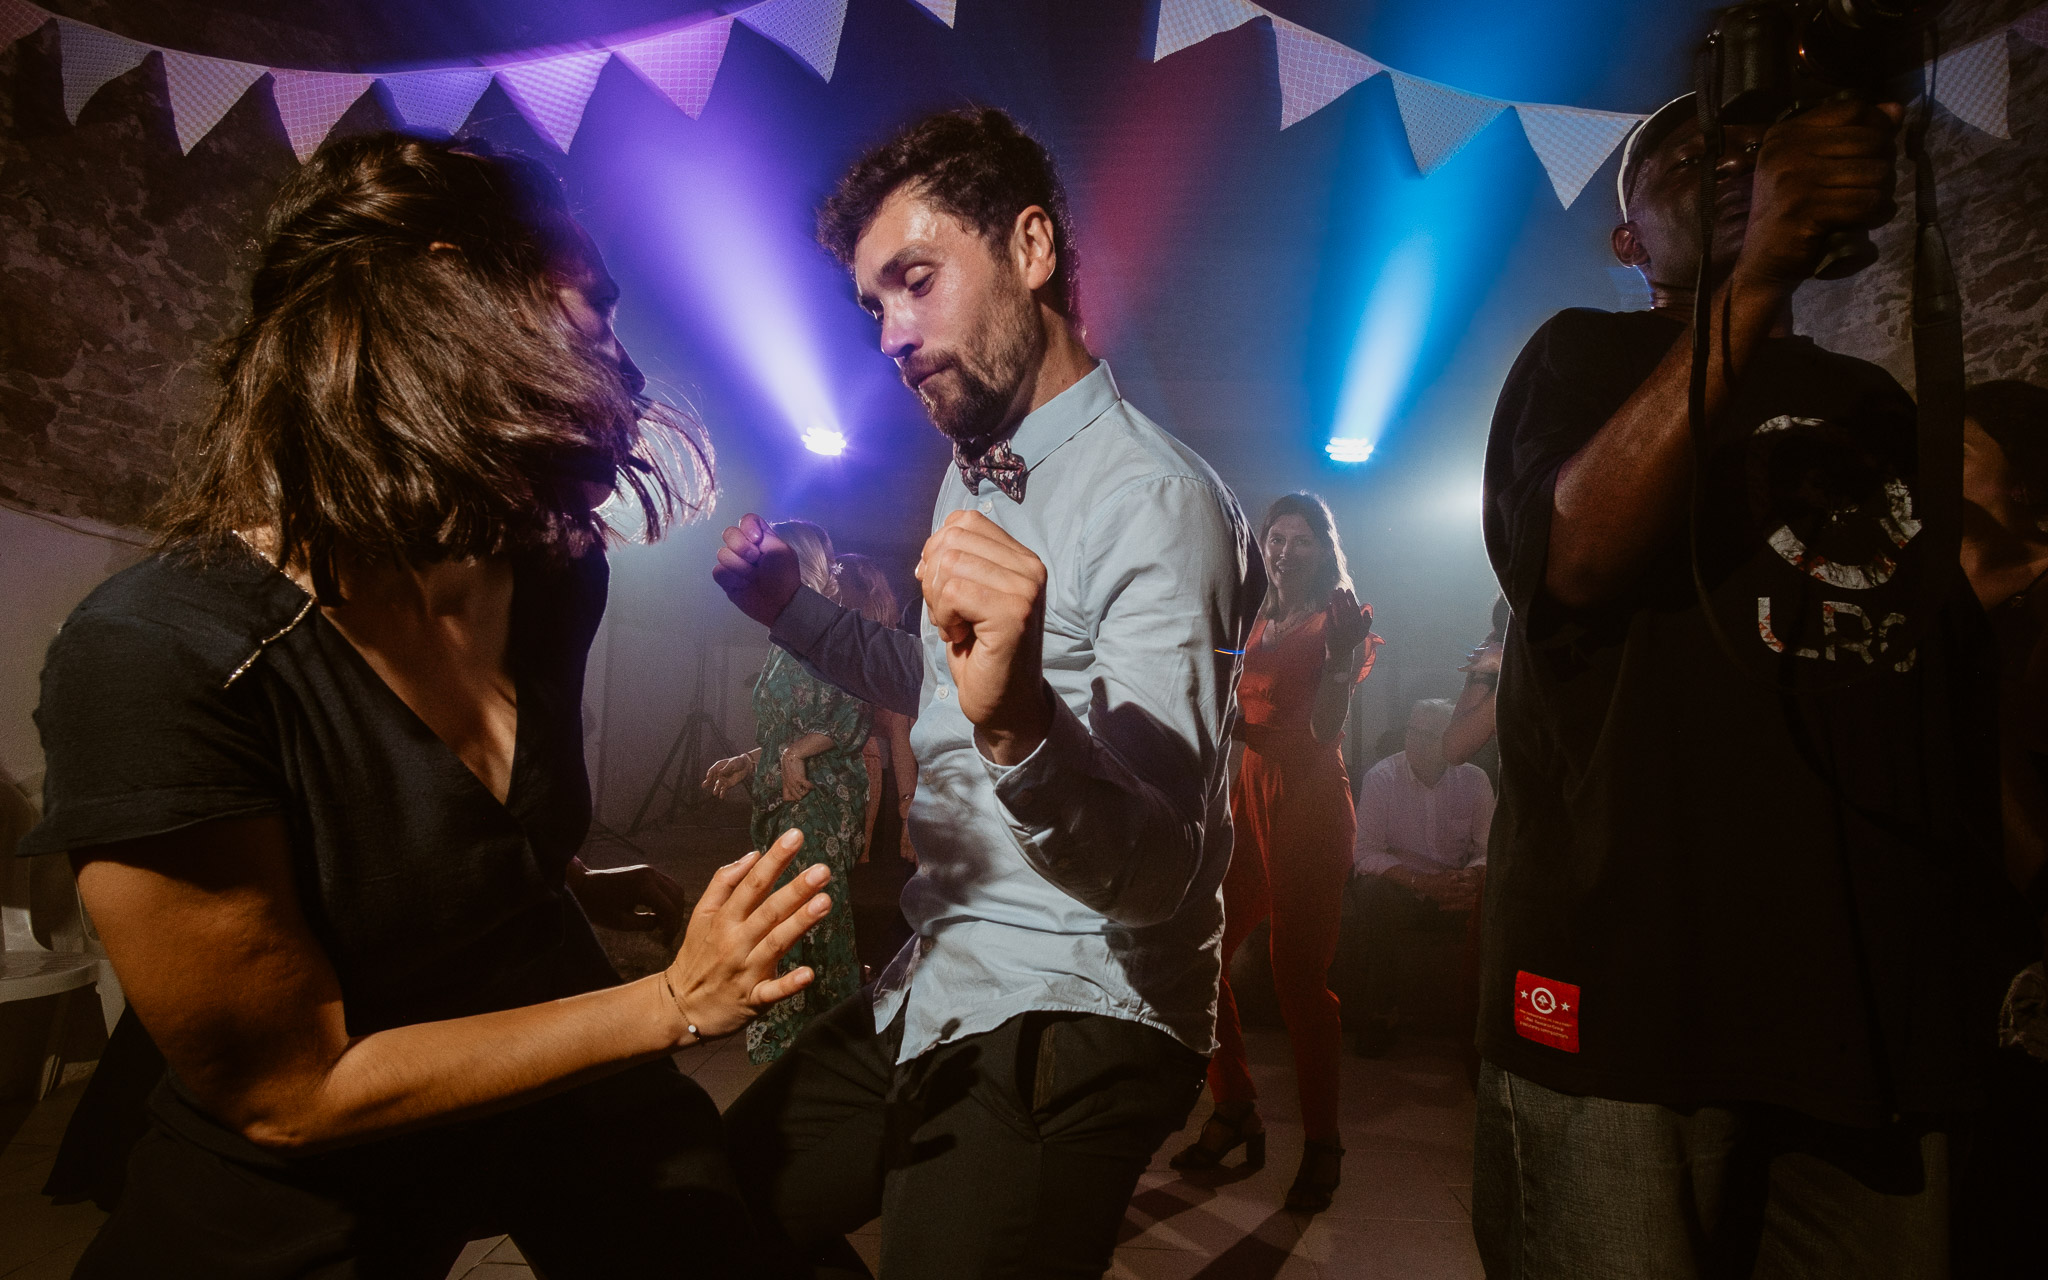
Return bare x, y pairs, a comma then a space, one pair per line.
319, 765
1291, 805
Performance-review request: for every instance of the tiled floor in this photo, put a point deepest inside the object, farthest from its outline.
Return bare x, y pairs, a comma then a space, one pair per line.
1403, 1211
38, 1240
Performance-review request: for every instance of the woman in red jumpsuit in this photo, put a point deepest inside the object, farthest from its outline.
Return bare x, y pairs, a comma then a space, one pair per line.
1292, 808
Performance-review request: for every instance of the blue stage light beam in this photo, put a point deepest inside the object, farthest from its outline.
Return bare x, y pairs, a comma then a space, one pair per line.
1383, 354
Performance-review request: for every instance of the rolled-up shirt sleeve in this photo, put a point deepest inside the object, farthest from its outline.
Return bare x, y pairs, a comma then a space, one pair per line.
1557, 396
1111, 810
141, 738
877, 664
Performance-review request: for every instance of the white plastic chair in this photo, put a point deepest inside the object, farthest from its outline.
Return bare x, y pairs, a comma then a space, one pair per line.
67, 956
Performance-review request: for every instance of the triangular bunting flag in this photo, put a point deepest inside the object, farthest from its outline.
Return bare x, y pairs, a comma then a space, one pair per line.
807, 28
202, 90
436, 101
1186, 22
311, 102
681, 65
1973, 82
1440, 120
91, 58
1572, 143
1314, 70
944, 10
552, 93
19, 18
2034, 26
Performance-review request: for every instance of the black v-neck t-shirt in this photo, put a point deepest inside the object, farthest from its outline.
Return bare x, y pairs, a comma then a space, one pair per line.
183, 692
1702, 889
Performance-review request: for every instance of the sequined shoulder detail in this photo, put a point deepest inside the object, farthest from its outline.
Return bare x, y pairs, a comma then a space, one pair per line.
266, 642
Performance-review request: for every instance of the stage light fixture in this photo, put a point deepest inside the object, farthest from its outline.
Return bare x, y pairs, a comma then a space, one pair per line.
828, 442
1348, 449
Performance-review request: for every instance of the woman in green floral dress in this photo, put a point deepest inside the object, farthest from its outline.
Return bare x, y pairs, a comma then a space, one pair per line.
808, 773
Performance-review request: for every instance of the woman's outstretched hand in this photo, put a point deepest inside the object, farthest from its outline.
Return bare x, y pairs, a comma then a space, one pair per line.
724, 976
1349, 623
728, 773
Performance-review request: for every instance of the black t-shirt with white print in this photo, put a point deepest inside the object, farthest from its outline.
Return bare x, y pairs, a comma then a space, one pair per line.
1703, 887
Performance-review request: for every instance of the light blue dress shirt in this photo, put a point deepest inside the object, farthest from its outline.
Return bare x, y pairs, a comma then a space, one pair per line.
1087, 877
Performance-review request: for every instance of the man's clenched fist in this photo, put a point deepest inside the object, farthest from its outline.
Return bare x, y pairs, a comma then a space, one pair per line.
985, 592
757, 570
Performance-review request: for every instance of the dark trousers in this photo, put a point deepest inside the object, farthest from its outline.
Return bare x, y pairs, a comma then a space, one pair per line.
2002, 1173
1382, 918
1577, 1188
1009, 1153
624, 1177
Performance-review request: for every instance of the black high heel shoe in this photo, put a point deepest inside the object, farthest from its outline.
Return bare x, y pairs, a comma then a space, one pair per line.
1322, 1168
1219, 1137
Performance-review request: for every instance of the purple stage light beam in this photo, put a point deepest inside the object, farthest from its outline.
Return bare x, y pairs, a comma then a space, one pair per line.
744, 272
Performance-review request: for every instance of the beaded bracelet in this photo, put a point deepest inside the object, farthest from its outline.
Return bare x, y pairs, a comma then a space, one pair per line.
688, 1025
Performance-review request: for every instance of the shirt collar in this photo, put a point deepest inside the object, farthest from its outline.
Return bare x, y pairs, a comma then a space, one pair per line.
1416, 779
1064, 416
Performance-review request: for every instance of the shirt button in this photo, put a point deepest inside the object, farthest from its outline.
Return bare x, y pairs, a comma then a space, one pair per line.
944, 693
985, 506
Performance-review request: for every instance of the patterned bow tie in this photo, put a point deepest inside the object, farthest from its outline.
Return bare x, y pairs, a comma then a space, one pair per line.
999, 462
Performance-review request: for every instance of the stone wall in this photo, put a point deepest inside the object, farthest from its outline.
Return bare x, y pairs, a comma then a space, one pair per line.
124, 265
1994, 212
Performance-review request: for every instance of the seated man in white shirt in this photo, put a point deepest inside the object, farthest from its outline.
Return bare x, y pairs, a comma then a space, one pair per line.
1420, 860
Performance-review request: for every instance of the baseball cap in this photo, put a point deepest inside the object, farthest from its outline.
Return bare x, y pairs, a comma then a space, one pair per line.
1644, 138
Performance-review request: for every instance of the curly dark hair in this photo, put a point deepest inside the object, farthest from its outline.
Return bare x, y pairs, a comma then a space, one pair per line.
408, 383
978, 165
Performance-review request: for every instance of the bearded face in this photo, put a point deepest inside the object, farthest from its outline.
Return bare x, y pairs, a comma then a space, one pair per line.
968, 391
956, 313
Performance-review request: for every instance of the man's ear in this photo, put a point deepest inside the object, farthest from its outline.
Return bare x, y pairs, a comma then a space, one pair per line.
1628, 246
1031, 244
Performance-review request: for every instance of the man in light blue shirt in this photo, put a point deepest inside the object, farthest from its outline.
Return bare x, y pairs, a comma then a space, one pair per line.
1088, 585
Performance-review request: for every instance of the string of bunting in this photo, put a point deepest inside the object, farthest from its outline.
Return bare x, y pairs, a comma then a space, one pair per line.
552, 88
1571, 142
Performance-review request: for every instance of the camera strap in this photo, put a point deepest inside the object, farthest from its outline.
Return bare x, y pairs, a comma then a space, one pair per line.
1938, 371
